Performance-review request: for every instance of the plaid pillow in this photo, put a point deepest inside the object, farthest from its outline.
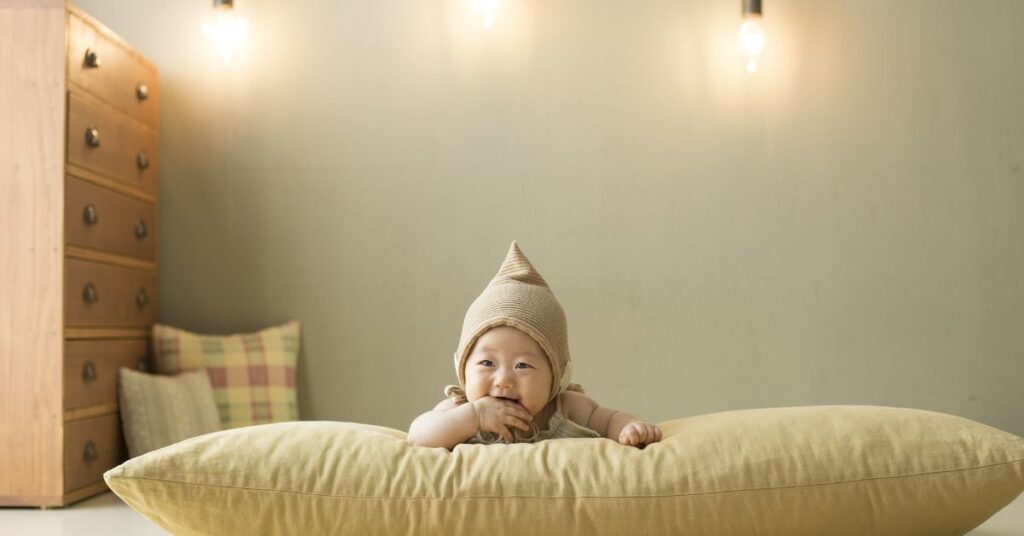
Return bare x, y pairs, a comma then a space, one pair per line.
252, 374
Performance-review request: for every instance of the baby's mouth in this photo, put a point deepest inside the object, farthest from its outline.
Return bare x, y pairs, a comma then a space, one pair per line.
507, 398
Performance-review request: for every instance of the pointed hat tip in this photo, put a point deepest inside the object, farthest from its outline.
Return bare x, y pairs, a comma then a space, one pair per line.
516, 266
515, 250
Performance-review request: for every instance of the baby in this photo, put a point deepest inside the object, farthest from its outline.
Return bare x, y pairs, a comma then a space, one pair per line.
514, 370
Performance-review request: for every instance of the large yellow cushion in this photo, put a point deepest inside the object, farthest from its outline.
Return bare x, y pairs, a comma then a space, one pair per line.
832, 470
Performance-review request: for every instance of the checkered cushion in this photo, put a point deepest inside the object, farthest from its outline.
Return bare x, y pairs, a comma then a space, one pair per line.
252, 374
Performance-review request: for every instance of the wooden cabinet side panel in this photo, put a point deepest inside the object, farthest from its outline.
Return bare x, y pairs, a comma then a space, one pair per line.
32, 90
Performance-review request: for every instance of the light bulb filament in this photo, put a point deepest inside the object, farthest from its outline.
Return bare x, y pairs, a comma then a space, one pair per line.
488, 9
227, 32
752, 41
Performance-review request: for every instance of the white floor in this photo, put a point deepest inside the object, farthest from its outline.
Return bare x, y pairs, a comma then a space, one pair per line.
101, 515
106, 514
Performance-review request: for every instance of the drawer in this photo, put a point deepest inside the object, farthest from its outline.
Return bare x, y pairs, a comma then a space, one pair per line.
90, 370
98, 294
118, 76
100, 219
91, 447
101, 140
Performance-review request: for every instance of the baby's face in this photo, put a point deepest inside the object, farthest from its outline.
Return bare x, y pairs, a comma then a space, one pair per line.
508, 363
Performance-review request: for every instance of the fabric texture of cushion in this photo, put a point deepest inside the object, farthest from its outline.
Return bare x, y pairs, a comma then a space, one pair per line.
253, 374
837, 470
159, 410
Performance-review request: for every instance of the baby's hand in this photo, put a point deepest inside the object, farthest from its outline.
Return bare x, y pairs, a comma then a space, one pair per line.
639, 433
498, 415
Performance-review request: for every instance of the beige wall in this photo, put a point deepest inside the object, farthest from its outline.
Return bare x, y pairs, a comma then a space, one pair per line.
845, 227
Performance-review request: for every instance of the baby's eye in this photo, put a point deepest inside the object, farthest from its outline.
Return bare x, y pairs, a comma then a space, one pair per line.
485, 362
525, 365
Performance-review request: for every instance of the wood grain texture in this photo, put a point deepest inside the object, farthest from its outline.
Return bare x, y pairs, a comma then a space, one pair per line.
32, 90
106, 333
119, 74
75, 252
117, 292
116, 221
121, 142
121, 187
84, 466
90, 371
56, 396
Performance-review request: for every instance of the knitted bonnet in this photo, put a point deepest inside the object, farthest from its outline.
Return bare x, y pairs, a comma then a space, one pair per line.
519, 297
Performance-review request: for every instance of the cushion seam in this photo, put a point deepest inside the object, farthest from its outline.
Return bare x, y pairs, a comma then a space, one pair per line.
711, 492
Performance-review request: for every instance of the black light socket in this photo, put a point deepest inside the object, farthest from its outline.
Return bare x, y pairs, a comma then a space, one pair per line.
752, 7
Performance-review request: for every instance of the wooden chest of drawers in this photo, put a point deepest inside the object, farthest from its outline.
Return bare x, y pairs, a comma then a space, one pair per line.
79, 183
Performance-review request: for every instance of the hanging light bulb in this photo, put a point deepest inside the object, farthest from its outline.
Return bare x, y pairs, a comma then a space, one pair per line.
488, 9
226, 30
752, 38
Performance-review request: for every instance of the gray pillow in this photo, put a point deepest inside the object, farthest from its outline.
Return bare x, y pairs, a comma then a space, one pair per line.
157, 411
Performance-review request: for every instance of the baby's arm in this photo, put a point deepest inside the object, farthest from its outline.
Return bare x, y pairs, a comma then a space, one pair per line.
449, 424
616, 425
445, 426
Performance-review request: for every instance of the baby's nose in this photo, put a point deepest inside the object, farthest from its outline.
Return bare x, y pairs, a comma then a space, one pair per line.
503, 381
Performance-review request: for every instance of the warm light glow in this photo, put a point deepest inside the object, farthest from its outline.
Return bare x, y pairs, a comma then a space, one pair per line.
226, 31
752, 41
488, 9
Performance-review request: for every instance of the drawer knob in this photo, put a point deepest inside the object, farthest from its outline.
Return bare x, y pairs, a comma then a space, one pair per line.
90, 215
140, 229
142, 160
89, 453
89, 372
92, 137
92, 59
141, 299
141, 365
142, 91
89, 294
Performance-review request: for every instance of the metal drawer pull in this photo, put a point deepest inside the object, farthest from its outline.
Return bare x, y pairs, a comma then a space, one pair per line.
92, 59
142, 160
141, 299
140, 229
89, 294
92, 137
90, 215
141, 365
89, 453
142, 91
89, 372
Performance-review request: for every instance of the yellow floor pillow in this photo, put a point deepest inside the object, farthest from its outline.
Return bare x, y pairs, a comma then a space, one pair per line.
833, 470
